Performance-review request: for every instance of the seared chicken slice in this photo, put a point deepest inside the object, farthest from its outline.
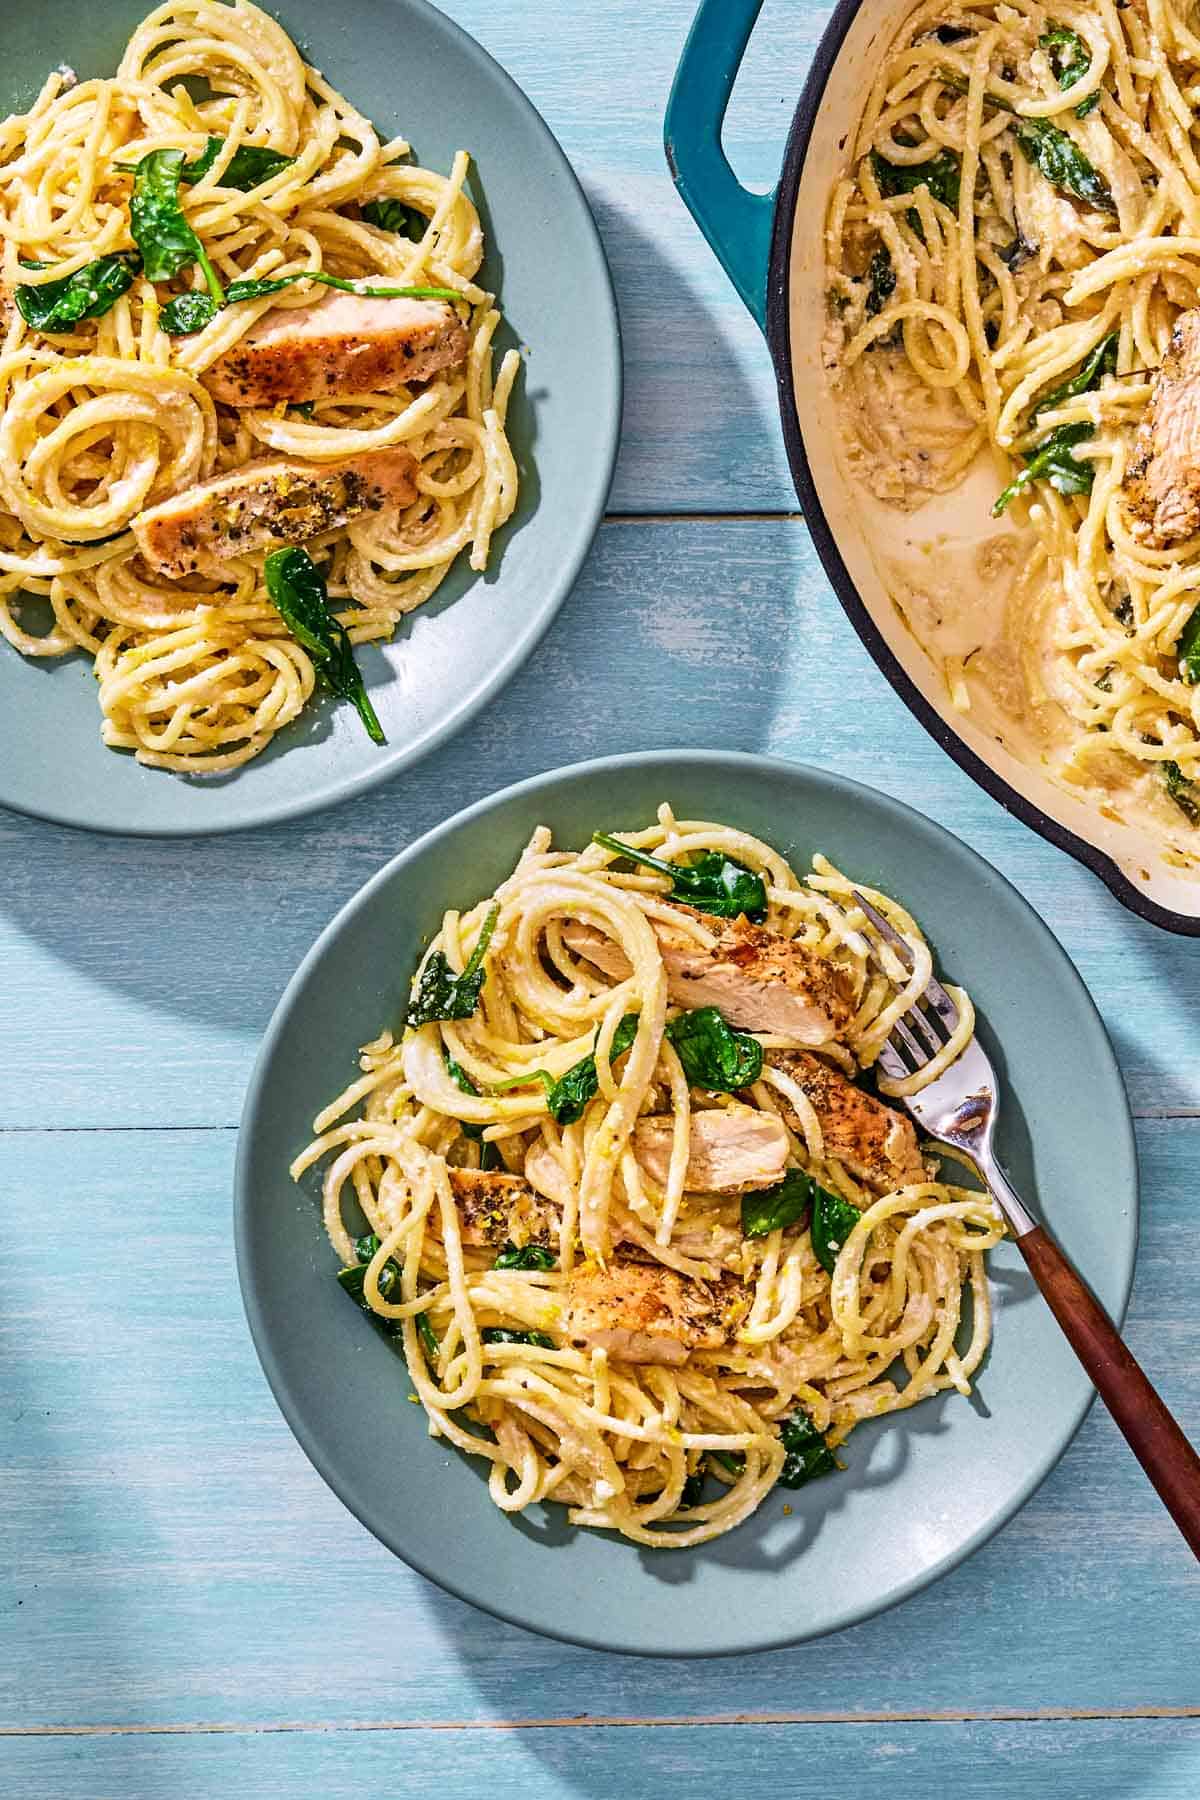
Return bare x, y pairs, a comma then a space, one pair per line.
708, 1240
1162, 483
729, 1149
267, 504
758, 979
342, 344
876, 1143
643, 1313
495, 1209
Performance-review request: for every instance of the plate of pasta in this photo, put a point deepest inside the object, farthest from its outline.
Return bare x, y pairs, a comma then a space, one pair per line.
574, 1218
275, 485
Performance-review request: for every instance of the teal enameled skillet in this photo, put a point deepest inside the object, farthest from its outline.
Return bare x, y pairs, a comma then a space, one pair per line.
410, 70
921, 1490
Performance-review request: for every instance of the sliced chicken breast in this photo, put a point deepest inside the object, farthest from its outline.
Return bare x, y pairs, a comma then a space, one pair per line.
707, 1240
495, 1209
730, 1149
341, 344
1162, 483
876, 1143
759, 980
643, 1313
267, 504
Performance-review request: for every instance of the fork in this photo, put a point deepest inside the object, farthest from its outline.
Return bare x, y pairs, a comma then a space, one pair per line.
959, 1108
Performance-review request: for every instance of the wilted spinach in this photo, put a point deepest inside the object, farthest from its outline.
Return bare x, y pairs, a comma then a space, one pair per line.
397, 216
499, 1334
87, 294
711, 882
1052, 461
529, 1256
1188, 648
156, 220
775, 1208
808, 1455
1070, 59
713, 1054
297, 590
441, 994
833, 1219
1101, 362
1183, 792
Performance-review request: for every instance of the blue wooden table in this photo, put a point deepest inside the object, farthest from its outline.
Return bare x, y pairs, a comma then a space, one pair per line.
185, 1609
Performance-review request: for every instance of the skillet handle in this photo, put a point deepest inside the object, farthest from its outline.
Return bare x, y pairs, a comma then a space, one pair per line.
736, 222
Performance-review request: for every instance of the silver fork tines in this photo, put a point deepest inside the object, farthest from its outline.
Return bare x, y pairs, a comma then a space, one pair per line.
915, 1037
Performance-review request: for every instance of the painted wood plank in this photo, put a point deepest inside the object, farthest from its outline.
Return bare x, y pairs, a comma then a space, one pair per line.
701, 421
1018, 1760
167, 1554
139, 976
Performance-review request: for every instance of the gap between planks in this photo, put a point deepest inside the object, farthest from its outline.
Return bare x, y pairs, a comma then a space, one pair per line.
619, 1722
1148, 1114
702, 518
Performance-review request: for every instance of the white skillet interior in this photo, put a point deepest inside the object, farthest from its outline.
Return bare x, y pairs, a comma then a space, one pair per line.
867, 532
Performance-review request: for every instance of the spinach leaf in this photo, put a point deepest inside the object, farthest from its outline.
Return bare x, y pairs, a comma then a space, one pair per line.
397, 216
1189, 650
1070, 59
87, 294
952, 34
1101, 362
257, 288
711, 882
305, 408
833, 1219
428, 1336
567, 1098
808, 1455
441, 994
352, 1278
1052, 151
156, 220
188, 313
529, 1256
713, 1054
731, 1460
775, 1208
249, 166
1051, 461
882, 282
1183, 792
297, 590
1058, 157
499, 1334
693, 1489
940, 175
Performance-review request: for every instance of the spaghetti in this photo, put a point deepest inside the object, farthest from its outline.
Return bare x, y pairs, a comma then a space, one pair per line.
102, 418
815, 1329
1008, 256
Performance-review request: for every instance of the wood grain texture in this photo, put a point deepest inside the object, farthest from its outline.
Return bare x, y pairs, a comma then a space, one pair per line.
173, 1558
1020, 1760
167, 1556
139, 976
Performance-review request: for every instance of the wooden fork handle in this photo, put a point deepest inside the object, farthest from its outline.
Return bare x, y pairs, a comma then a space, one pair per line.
1150, 1430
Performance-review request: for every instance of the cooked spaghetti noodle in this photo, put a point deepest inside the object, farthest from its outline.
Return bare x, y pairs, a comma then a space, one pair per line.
102, 419
1021, 298
493, 1345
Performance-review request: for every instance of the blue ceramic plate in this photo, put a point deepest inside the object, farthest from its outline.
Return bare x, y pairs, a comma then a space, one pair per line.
922, 1489
411, 70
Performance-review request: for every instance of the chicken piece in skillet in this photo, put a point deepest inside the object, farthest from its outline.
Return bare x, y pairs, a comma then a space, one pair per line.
1162, 482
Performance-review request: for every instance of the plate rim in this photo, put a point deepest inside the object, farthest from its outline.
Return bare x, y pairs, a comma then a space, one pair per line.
566, 568
256, 1095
